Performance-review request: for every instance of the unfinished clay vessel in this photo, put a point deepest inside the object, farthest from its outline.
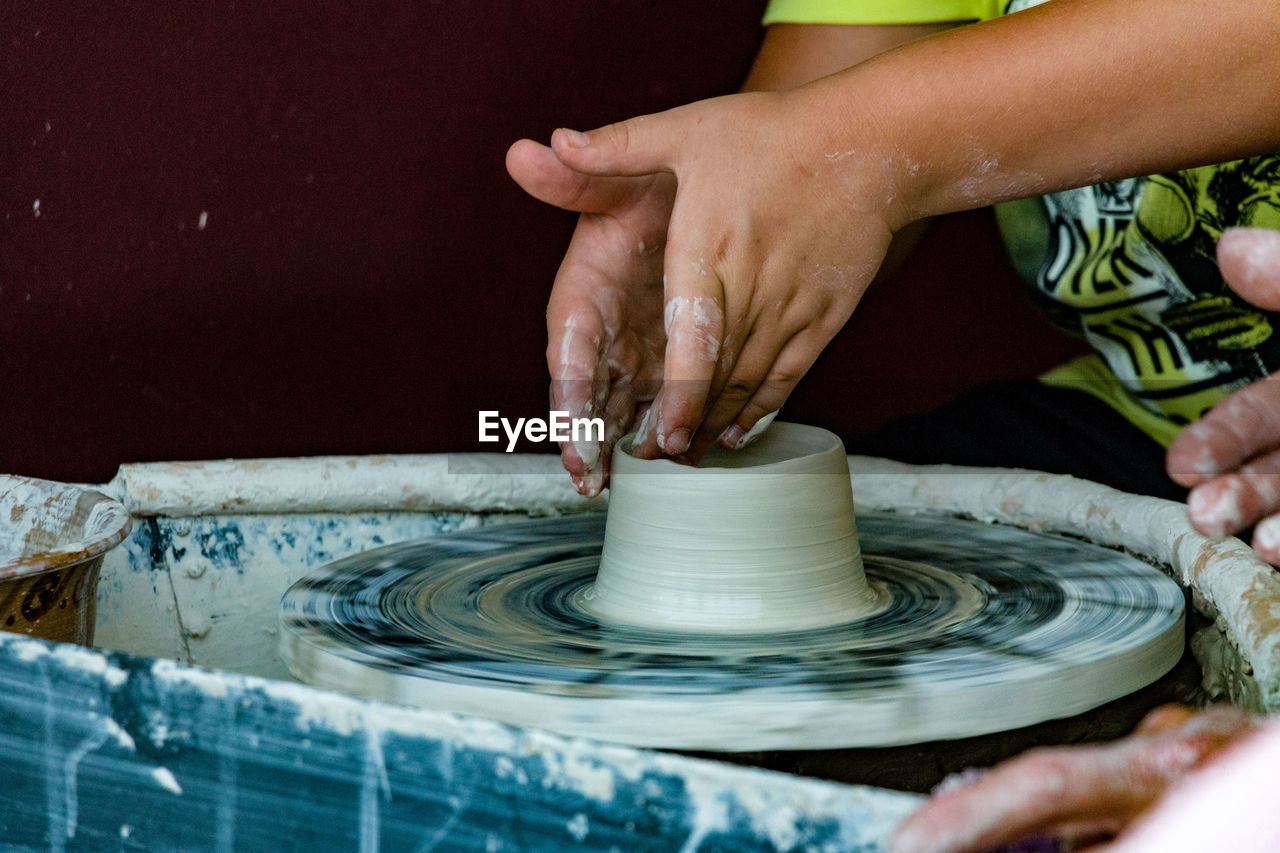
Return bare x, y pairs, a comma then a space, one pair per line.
758, 539
53, 537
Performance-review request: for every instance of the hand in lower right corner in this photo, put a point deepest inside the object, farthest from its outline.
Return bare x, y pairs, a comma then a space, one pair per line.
1074, 792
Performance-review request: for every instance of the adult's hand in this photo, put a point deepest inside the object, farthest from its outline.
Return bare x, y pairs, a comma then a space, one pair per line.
1231, 457
1229, 805
1082, 792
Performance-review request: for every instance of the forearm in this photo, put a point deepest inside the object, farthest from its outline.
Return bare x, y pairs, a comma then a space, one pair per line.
794, 55
1069, 93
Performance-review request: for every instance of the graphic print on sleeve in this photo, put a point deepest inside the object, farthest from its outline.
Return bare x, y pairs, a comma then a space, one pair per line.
1131, 266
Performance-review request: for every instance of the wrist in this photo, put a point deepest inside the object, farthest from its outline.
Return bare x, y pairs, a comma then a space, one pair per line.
840, 127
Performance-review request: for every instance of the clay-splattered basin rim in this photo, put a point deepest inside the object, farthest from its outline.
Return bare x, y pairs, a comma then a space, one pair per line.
80, 523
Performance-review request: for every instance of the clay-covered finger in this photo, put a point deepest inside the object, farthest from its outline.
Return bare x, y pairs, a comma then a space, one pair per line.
579, 376
694, 321
1240, 427
645, 445
1250, 262
786, 372
619, 412
586, 456
749, 370
1266, 539
1164, 718
1039, 793
1228, 504
1023, 797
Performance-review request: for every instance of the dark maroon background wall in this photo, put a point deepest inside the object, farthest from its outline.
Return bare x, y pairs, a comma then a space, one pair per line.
253, 229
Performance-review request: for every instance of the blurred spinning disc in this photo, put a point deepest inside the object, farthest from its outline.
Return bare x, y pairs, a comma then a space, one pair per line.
986, 628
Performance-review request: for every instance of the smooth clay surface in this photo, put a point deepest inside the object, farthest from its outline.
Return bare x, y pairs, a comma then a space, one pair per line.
749, 541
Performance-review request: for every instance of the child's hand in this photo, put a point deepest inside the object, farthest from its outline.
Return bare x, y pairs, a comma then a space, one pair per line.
1232, 455
773, 237
604, 318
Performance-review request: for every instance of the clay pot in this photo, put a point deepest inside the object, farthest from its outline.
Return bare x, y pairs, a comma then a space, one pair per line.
752, 540
53, 537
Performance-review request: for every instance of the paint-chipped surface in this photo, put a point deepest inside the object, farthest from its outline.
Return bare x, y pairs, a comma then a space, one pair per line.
111, 752
206, 590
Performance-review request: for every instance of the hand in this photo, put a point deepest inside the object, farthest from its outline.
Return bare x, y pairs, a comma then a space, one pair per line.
1231, 456
604, 319
1080, 791
773, 237
1228, 805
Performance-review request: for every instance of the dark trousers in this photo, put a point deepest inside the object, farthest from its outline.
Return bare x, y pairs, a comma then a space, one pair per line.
1026, 424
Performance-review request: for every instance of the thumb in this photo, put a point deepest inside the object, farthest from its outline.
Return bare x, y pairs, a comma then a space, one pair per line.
1250, 262
541, 174
637, 146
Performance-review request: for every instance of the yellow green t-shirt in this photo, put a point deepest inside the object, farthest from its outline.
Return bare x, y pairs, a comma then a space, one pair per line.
1129, 264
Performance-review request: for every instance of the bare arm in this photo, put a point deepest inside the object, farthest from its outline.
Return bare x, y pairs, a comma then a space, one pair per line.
788, 201
1066, 94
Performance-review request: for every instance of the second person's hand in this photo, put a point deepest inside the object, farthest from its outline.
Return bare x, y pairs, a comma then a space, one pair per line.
1230, 458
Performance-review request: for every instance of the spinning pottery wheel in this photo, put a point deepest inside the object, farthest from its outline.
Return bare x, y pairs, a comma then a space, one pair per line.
950, 628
